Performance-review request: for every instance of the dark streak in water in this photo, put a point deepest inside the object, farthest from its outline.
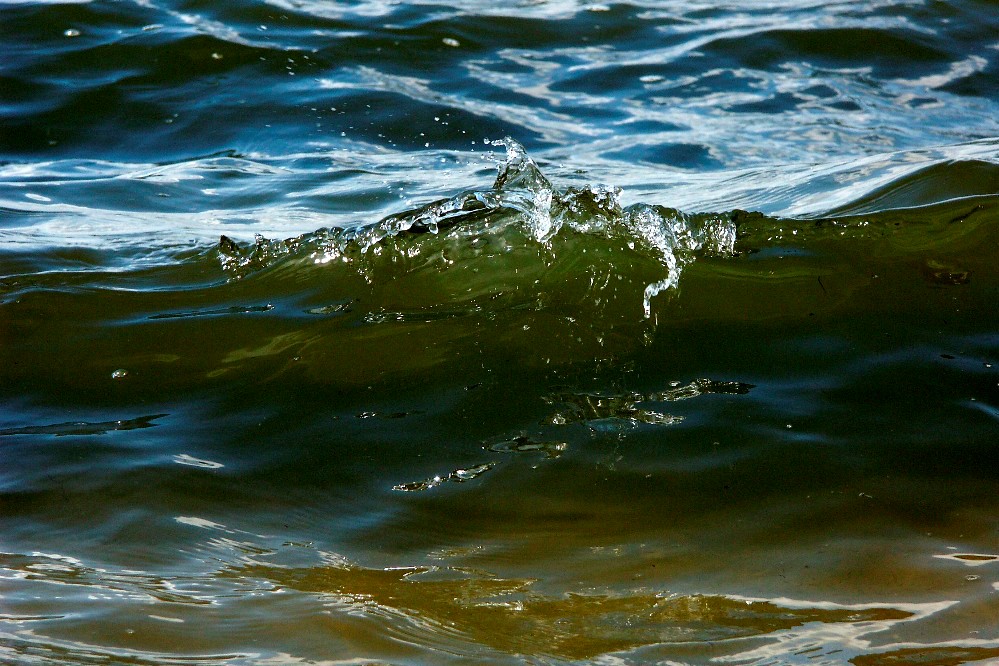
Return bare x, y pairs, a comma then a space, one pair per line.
235, 309
85, 427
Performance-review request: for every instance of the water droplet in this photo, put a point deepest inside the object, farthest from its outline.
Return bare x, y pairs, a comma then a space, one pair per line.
72, 33
120, 373
450, 41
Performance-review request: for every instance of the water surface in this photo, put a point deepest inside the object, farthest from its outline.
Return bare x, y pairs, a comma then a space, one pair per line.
550, 332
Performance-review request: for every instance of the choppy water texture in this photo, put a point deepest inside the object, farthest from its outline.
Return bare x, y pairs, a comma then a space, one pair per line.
537, 332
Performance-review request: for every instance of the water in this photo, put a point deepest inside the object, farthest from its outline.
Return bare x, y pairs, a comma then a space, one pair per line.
546, 332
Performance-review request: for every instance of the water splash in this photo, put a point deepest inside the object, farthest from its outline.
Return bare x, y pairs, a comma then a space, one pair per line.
521, 210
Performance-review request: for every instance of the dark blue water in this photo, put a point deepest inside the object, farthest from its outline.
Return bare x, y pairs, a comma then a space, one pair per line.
527, 333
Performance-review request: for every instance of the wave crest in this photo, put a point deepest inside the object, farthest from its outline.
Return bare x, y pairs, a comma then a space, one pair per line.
522, 213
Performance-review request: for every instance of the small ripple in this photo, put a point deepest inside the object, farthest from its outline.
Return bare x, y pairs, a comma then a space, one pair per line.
969, 559
83, 428
524, 444
185, 459
214, 312
594, 408
460, 475
125, 585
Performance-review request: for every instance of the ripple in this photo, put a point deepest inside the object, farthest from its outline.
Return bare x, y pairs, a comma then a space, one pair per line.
78, 428
969, 559
460, 475
185, 459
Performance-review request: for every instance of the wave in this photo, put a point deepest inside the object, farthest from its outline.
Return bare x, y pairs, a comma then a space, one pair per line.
545, 273
525, 244
522, 223
680, 83
551, 275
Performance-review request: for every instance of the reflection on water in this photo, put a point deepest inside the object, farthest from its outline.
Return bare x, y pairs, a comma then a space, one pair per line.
443, 612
